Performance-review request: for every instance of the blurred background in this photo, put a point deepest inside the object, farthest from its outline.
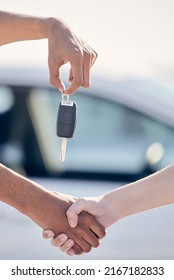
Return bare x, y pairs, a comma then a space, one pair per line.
125, 127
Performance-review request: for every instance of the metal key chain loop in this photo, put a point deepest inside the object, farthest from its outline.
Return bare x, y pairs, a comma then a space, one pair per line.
65, 97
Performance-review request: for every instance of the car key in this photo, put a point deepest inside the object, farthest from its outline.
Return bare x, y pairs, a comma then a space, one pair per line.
66, 122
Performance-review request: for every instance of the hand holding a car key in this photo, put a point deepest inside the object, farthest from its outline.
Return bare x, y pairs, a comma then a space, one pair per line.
64, 46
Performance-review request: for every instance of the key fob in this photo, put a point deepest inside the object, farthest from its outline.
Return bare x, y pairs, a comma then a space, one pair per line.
66, 119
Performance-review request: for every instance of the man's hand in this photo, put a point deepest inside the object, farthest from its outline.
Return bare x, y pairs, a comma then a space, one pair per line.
64, 46
99, 207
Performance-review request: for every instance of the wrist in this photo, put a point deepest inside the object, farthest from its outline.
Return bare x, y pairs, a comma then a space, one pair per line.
108, 204
120, 203
57, 29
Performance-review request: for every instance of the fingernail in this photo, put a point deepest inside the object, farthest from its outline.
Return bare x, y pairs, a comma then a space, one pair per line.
63, 237
70, 242
49, 233
71, 252
72, 223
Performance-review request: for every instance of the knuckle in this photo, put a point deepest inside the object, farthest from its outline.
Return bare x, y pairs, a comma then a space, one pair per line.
94, 57
87, 55
78, 231
77, 54
79, 51
84, 218
95, 54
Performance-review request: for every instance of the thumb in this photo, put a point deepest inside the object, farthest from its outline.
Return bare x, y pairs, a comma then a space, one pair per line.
76, 208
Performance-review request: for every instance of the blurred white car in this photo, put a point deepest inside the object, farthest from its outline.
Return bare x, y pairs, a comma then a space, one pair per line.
125, 131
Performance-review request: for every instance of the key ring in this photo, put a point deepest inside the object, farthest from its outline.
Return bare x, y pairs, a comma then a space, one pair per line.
65, 97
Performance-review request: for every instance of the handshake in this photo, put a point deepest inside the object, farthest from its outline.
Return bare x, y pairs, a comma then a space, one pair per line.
73, 233
77, 225
49, 210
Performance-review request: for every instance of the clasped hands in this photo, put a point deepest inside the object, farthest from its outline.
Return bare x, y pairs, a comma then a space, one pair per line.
51, 215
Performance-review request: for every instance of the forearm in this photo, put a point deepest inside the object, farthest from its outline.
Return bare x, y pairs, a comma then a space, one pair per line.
19, 192
17, 27
145, 194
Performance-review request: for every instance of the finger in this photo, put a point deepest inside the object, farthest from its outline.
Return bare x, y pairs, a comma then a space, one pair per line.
94, 54
55, 76
90, 57
48, 233
87, 63
86, 222
79, 239
91, 238
86, 247
89, 60
71, 252
72, 218
85, 238
72, 213
87, 69
67, 245
77, 249
98, 229
59, 240
76, 75
57, 82
70, 76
